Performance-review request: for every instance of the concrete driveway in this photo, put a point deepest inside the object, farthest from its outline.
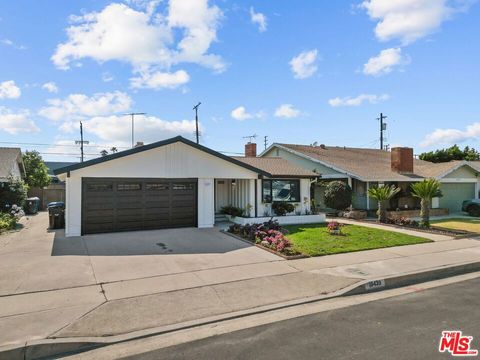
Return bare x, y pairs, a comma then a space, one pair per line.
36, 259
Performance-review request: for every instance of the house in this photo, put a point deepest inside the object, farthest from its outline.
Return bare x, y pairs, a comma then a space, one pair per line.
11, 164
176, 183
54, 165
366, 168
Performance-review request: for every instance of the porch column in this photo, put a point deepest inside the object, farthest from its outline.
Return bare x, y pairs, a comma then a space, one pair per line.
349, 181
368, 196
477, 188
251, 197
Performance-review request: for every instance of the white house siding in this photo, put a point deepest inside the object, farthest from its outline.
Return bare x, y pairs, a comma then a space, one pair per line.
176, 160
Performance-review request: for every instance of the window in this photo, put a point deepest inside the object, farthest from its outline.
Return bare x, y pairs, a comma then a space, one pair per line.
280, 190
129, 186
100, 187
156, 186
182, 187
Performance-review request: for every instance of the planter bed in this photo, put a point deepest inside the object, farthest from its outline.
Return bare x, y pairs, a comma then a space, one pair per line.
282, 220
286, 257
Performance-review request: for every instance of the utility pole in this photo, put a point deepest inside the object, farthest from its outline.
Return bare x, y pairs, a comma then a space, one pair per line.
133, 124
265, 141
383, 127
81, 142
196, 120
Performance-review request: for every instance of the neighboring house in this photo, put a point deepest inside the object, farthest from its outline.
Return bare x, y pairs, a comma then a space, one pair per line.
176, 183
11, 164
54, 165
366, 168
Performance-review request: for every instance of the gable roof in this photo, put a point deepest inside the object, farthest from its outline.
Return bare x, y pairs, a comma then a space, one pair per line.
8, 158
277, 166
369, 164
156, 145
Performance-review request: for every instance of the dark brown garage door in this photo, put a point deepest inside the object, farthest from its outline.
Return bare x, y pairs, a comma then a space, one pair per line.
137, 204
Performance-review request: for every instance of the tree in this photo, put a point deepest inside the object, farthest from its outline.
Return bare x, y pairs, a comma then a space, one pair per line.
426, 190
13, 192
104, 152
382, 195
451, 153
36, 172
338, 195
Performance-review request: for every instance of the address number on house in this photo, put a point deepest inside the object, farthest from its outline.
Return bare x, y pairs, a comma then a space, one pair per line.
375, 284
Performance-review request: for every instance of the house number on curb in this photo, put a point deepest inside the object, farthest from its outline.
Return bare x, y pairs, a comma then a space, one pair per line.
375, 284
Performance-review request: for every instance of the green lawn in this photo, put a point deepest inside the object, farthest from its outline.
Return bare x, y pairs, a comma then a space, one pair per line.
314, 239
472, 225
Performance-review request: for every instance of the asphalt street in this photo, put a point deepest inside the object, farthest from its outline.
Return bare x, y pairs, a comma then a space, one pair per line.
402, 327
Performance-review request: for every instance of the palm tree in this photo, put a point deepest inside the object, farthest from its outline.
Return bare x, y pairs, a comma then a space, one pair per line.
426, 190
382, 195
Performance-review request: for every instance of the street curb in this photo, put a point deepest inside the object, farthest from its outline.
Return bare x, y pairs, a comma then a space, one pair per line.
48, 348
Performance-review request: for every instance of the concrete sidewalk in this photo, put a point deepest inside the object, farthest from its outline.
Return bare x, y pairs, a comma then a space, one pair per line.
135, 305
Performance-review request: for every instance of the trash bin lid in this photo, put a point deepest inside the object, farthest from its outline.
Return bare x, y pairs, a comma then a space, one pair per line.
56, 204
34, 198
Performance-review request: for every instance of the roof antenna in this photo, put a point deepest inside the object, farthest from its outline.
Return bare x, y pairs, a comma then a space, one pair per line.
196, 120
250, 137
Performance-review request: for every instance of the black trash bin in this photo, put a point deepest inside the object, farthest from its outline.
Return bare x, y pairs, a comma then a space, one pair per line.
32, 205
56, 215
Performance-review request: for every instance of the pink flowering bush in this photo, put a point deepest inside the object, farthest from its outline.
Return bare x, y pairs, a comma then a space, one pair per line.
273, 239
333, 225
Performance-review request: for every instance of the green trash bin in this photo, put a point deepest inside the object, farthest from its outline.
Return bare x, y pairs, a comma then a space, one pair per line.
32, 205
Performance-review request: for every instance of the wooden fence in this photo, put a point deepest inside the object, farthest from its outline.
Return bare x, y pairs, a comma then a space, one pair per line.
53, 192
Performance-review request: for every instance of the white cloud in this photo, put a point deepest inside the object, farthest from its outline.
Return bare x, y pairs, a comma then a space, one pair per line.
303, 65
287, 111
9, 42
147, 39
117, 129
16, 122
385, 62
50, 87
8, 90
159, 80
451, 136
359, 100
410, 20
240, 113
77, 106
259, 19
107, 77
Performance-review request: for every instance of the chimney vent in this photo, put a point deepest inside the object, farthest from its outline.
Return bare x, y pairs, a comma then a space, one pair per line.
402, 160
139, 143
250, 149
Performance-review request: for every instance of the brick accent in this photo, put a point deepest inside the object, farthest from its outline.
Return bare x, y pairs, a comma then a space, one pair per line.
251, 149
402, 160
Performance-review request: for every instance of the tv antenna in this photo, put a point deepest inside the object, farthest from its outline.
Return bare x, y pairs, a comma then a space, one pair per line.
133, 114
250, 137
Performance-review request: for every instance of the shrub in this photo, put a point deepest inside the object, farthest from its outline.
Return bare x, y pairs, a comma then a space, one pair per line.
269, 234
232, 211
7, 221
338, 195
282, 208
14, 192
403, 221
334, 225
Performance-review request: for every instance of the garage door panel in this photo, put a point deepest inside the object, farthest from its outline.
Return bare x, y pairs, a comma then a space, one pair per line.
134, 204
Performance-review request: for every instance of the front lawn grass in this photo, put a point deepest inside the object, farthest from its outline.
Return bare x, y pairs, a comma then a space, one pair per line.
314, 239
471, 225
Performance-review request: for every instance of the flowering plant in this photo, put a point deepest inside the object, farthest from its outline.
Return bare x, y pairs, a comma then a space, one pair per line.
333, 225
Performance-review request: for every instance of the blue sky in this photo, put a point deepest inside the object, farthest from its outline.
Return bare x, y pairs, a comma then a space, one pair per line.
297, 72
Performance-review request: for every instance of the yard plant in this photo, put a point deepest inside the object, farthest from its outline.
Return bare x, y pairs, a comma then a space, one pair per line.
426, 190
7, 221
338, 195
282, 208
382, 194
